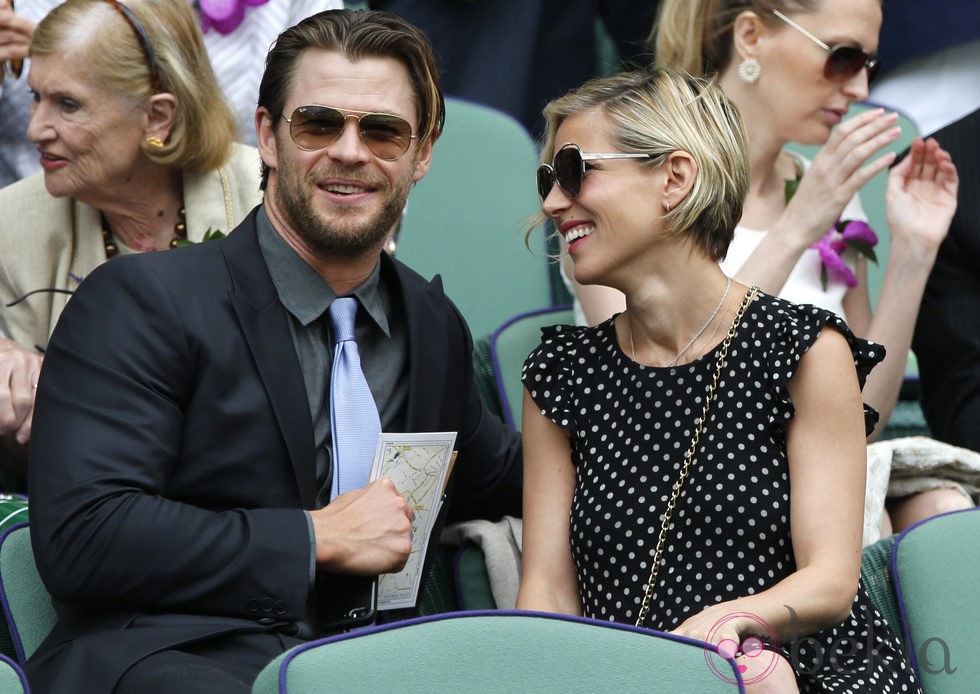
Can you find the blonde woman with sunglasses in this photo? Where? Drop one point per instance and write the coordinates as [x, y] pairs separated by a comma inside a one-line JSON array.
[[678, 472], [793, 68]]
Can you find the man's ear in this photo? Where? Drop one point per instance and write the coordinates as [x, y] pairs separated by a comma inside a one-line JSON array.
[[423, 160], [681, 172], [265, 133], [161, 112], [747, 33]]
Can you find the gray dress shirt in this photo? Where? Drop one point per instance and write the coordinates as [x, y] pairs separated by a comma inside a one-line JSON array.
[[379, 331], [382, 344]]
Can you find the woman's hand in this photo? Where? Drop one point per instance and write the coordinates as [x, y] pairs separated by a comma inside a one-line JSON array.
[[719, 624], [839, 171], [921, 199], [836, 174], [19, 369]]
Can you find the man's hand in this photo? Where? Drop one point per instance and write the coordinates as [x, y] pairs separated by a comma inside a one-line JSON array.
[[366, 531], [19, 369]]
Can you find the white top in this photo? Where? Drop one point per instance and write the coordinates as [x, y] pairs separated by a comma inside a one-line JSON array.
[[238, 58], [803, 285]]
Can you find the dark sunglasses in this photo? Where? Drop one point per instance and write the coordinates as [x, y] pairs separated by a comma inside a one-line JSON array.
[[314, 127], [567, 168], [144, 40], [844, 61]]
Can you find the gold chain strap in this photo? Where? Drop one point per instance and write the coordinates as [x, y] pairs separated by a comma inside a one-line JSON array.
[[688, 460]]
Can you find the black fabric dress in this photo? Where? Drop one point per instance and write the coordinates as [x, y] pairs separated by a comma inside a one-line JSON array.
[[630, 426]]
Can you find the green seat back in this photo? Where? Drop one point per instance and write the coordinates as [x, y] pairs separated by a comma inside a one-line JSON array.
[[509, 346], [876, 574], [27, 607], [13, 511], [500, 652], [873, 194], [936, 565], [485, 378], [464, 220], [12, 680], [472, 578]]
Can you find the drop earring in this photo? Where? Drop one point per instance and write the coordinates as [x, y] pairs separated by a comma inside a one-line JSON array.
[[749, 70]]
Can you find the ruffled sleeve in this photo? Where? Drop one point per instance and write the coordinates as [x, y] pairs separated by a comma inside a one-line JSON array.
[[796, 328], [548, 373]]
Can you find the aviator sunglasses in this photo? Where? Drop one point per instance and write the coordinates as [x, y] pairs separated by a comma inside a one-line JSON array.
[[567, 168], [385, 135], [844, 61]]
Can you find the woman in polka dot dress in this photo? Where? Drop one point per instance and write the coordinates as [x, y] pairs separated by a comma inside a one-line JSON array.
[[696, 463]]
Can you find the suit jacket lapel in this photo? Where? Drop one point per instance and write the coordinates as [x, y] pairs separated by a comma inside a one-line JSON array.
[[264, 325]]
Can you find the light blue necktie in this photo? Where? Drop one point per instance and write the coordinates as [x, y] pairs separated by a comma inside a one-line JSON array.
[[354, 417]]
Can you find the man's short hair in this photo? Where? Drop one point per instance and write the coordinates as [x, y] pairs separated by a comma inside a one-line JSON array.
[[357, 34]]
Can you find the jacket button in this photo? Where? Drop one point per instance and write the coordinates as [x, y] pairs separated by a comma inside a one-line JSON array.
[[280, 607], [266, 604], [252, 605]]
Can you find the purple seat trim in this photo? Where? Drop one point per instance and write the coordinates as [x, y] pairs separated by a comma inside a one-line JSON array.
[[495, 359]]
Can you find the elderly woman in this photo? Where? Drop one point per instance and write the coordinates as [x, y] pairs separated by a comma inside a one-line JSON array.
[[136, 145], [237, 35], [678, 469]]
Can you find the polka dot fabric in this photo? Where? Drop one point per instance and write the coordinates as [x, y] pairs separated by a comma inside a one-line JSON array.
[[630, 426]]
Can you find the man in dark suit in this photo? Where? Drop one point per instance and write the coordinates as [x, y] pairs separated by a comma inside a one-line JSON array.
[[947, 333], [182, 449]]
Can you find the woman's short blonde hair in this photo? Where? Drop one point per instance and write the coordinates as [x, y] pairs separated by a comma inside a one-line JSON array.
[[108, 50], [665, 110]]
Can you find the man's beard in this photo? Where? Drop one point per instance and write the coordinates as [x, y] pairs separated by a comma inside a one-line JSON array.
[[294, 199]]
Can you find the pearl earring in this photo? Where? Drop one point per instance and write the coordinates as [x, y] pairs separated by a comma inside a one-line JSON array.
[[749, 70]]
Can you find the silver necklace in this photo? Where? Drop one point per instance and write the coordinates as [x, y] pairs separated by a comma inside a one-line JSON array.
[[711, 318]]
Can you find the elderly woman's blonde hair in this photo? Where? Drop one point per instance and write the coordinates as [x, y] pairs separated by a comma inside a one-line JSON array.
[[108, 50], [666, 110]]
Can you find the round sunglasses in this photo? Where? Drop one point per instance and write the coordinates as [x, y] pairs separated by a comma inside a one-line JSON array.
[[314, 127], [844, 61], [567, 168]]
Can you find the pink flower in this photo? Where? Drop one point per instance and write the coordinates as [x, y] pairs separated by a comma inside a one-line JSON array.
[[858, 235], [830, 248], [224, 15], [845, 234]]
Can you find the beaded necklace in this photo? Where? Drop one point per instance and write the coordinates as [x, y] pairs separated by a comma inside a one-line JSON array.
[[180, 234]]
